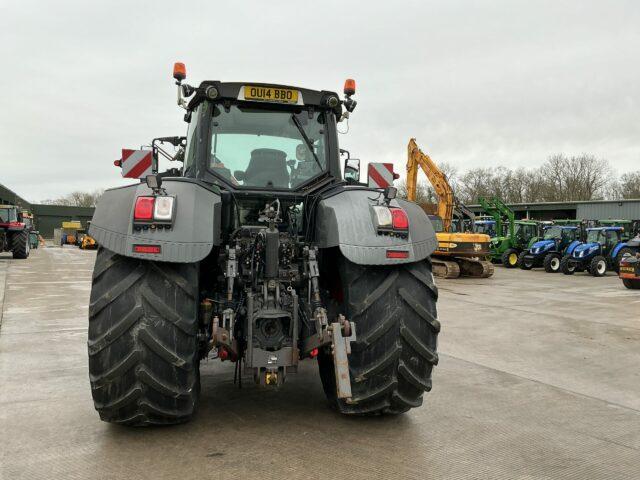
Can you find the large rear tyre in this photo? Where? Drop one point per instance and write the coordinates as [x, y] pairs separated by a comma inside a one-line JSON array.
[[552, 263], [524, 263], [631, 283], [566, 266], [143, 347], [394, 309], [20, 245], [598, 266], [510, 258]]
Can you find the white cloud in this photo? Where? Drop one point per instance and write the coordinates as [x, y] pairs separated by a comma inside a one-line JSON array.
[[478, 83]]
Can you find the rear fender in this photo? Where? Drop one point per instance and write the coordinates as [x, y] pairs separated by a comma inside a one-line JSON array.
[[195, 230], [617, 248], [344, 220]]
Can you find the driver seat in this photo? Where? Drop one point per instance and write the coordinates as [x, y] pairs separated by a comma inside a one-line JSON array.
[[267, 167]]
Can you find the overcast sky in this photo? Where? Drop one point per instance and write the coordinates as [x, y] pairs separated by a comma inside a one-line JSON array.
[[477, 83]]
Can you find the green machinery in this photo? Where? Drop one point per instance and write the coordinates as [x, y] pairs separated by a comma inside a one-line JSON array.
[[631, 227], [512, 236]]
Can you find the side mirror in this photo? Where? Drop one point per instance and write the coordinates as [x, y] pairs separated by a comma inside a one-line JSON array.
[[352, 170], [239, 175]]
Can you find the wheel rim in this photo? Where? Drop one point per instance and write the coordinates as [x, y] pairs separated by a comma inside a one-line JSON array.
[[513, 259], [555, 264], [602, 267]]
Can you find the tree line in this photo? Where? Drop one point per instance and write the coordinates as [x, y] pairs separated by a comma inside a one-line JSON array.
[[77, 199], [561, 178]]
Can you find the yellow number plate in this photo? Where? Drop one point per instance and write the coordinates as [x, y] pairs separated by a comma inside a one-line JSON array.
[[270, 94]]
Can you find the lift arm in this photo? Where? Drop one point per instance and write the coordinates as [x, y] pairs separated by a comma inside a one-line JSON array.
[[507, 212], [491, 209], [446, 201]]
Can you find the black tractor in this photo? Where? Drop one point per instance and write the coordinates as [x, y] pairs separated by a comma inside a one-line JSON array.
[[14, 233], [260, 252]]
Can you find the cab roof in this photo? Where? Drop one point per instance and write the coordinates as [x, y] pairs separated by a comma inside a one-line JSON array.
[[615, 229], [233, 91]]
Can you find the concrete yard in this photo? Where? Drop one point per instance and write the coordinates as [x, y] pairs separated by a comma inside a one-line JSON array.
[[539, 378]]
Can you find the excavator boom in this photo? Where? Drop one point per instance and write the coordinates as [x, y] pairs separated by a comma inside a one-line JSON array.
[[458, 253], [446, 200]]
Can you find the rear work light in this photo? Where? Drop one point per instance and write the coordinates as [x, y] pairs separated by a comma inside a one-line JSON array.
[[163, 209]]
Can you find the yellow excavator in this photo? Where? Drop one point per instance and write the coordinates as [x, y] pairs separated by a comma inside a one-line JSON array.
[[460, 250]]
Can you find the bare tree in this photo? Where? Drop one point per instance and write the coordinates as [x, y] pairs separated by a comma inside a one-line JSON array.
[[584, 177], [629, 185], [77, 199]]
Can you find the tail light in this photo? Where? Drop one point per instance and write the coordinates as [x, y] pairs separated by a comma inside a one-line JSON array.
[[391, 220], [158, 208], [400, 219], [144, 208]]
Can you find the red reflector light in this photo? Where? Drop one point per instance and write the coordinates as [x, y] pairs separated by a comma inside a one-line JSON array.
[[146, 249], [400, 219], [397, 254], [313, 353], [144, 208]]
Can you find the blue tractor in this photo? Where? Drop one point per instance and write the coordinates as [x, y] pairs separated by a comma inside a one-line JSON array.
[[557, 241], [486, 225], [602, 251]]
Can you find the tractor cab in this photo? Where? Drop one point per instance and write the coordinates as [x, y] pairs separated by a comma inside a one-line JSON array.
[[560, 233], [629, 227], [253, 137], [487, 227], [526, 232]]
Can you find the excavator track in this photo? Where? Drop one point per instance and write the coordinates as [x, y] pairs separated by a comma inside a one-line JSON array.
[[461, 267], [445, 268], [474, 267]]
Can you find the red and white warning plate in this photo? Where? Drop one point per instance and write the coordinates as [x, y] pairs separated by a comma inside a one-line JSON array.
[[136, 163], [380, 175]]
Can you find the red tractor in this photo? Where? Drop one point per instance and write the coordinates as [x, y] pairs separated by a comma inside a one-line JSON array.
[[14, 234]]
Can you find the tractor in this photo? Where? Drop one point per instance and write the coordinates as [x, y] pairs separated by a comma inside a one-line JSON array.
[[602, 250], [557, 241], [34, 235], [14, 233], [486, 224], [629, 227], [259, 252], [512, 237], [629, 267]]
